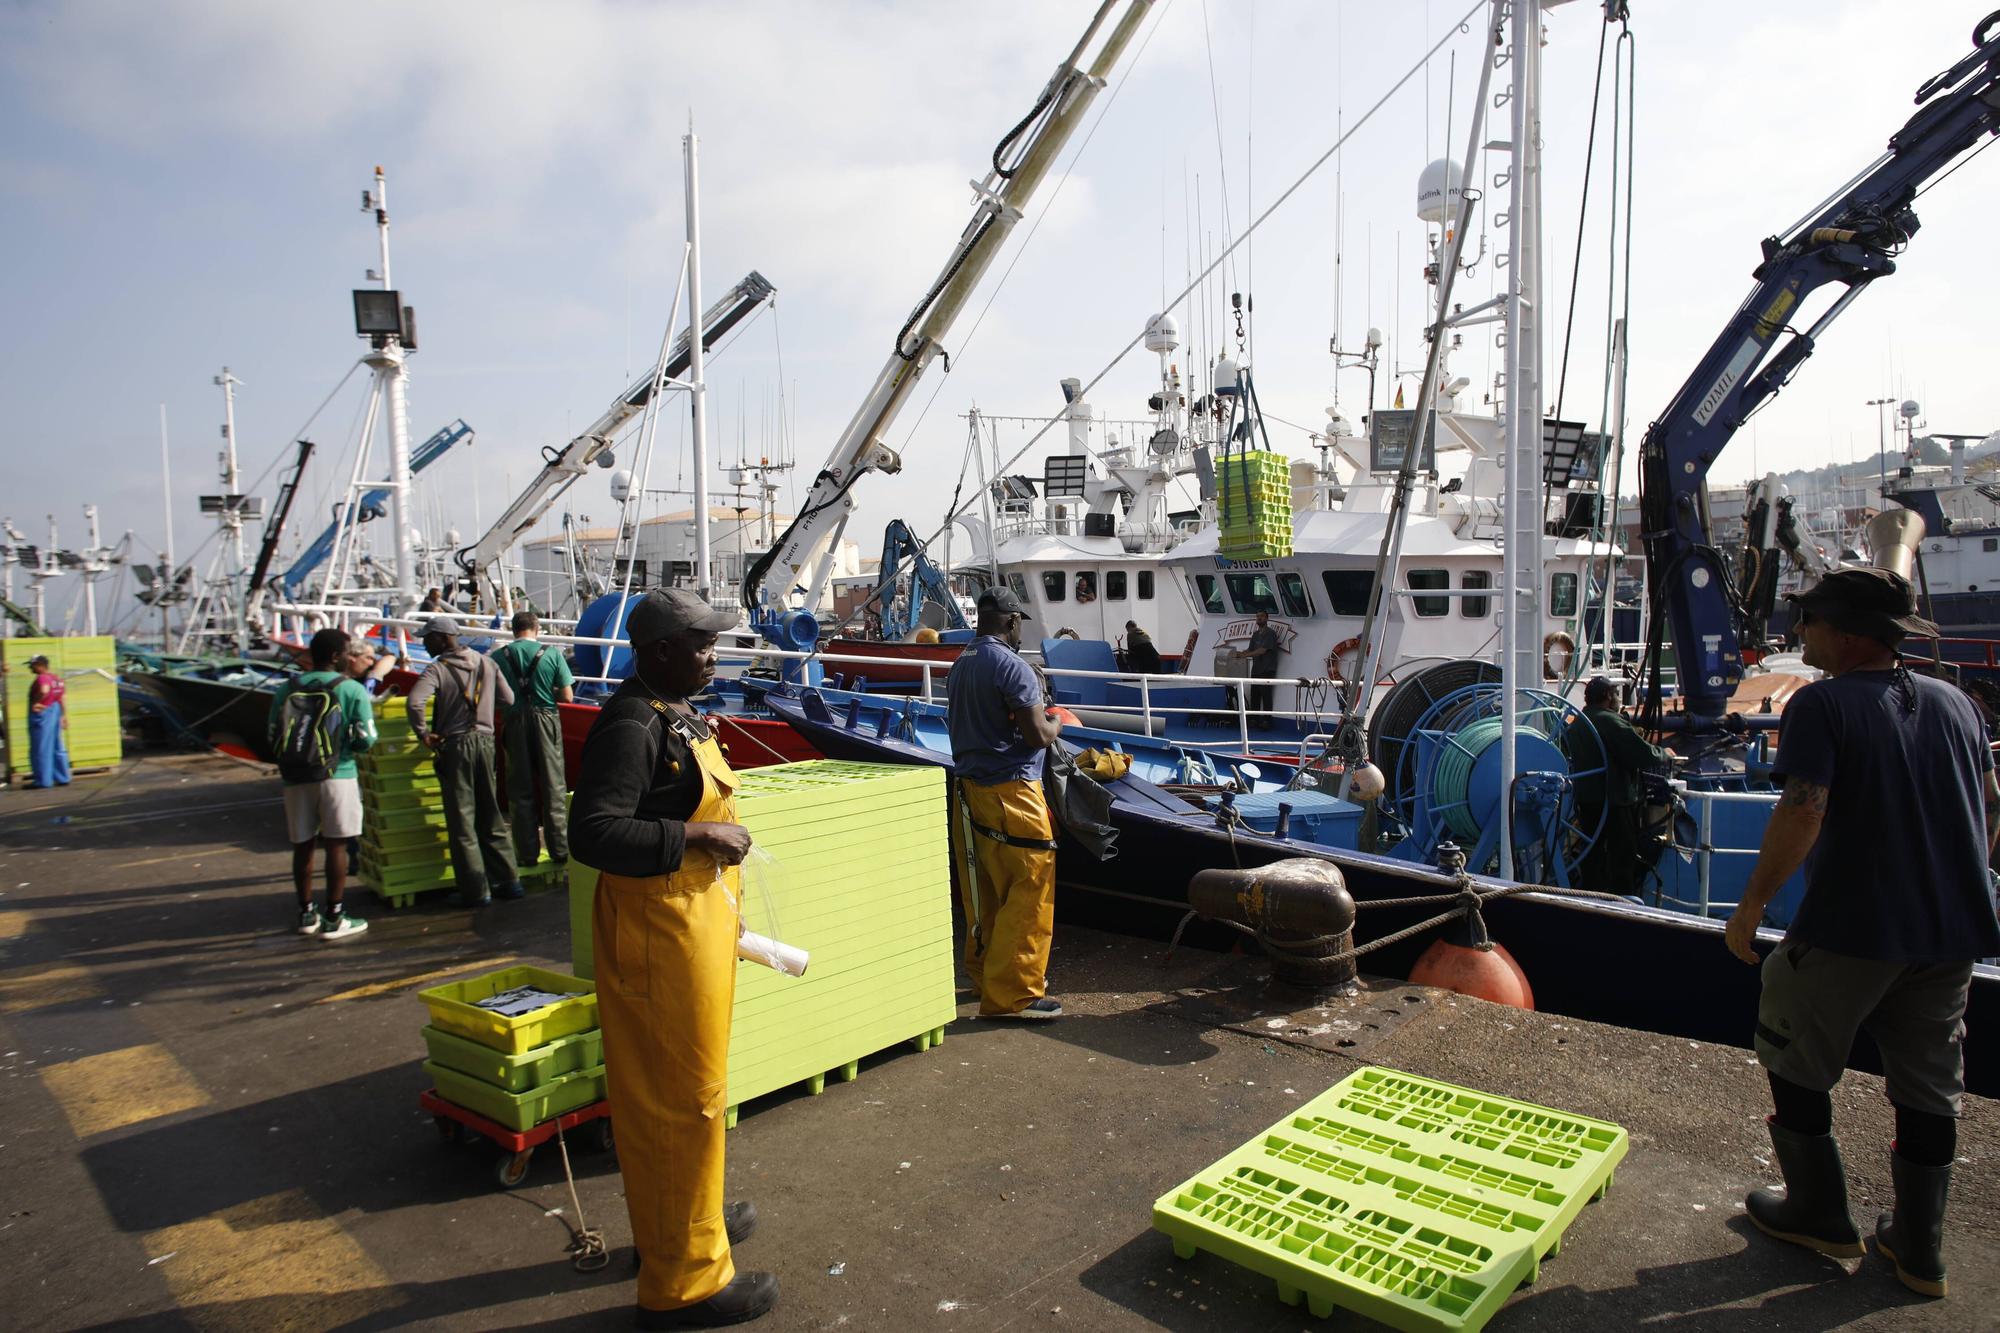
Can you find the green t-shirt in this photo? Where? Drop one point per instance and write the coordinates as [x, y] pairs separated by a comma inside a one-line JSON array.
[[355, 707], [535, 680]]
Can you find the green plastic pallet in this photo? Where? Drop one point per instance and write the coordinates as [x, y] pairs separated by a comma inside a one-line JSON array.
[[1413, 1202]]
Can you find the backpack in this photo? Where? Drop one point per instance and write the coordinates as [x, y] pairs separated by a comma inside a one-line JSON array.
[[308, 735]]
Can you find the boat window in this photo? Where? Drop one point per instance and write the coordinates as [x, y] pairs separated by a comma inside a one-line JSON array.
[[1145, 585], [1430, 578], [1292, 589], [1348, 590], [1475, 608], [1251, 593], [1019, 583], [1562, 595], [1086, 585], [1055, 586], [1209, 593], [1114, 585], [635, 568], [1989, 544]]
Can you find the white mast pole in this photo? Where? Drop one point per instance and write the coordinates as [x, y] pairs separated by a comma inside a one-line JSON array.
[[167, 504], [90, 574], [393, 375], [697, 386], [232, 514], [1522, 515]]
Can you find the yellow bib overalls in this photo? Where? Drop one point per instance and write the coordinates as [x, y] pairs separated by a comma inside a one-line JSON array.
[[666, 982]]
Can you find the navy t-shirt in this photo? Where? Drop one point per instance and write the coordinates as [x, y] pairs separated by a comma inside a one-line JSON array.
[[988, 683], [1899, 870]]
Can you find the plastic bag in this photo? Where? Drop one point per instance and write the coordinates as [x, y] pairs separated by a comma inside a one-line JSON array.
[[758, 934]]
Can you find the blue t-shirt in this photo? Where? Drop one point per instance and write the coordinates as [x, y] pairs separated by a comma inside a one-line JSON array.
[[1899, 870], [988, 683]]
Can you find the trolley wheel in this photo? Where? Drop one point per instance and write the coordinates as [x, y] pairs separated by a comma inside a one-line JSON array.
[[601, 1136], [512, 1169], [447, 1128]]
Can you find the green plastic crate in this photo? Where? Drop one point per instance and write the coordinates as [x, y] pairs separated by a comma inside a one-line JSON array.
[[519, 1110], [516, 1073], [1413, 1202], [452, 1010], [397, 821]]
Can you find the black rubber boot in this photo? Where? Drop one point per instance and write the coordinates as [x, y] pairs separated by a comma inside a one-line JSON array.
[[1812, 1211], [1912, 1236], [748, 1296]]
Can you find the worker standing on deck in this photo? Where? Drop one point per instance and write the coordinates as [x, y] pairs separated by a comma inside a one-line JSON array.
[[1000, 728], [466, 686], [321, 719], [1891, 804], [1614, 863], [48, 749], [1263, 651], [540, 679], [655, 813]]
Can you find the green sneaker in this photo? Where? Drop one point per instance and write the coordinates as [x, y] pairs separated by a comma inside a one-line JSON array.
[[343, 927], [309, 922]]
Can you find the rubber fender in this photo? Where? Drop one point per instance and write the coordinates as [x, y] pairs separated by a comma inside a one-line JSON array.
[[1486, 974]]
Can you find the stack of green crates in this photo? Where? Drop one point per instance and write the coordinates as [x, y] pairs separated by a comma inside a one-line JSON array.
[[404, 849], [88, 667], [1254, 506], [863, 883], [518, 1071]]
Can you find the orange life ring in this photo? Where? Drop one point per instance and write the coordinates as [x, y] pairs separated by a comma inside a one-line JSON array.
[[1334, 669], [1558, 639]]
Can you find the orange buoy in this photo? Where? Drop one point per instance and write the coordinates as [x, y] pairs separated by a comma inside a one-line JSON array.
[[1486, 974], [1064, 716]]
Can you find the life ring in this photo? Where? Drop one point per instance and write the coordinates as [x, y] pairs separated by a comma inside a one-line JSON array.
[[1552, 669], [1336, 667]]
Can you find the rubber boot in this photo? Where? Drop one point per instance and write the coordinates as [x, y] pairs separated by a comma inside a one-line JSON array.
[[1912, 1236], [1812, 1211], [748, 1296]]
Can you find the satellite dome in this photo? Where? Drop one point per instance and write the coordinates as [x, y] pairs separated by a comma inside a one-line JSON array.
[[1439, 192], [1163, 334]]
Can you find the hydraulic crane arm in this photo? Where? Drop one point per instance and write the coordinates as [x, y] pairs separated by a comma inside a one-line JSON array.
[[802, 558], [288, 490], [900, 618], [563, 466], [1851, 240]]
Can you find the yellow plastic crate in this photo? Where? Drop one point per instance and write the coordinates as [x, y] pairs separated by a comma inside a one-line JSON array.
[[452, 1009]]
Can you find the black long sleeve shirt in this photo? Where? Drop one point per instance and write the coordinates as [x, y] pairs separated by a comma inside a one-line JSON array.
[[638, 785]]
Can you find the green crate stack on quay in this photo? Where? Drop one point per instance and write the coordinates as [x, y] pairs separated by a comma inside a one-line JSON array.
[[1254, 506], [862, 882], [404, 849], [89, 671], [518, 1071], [1416, 1203]]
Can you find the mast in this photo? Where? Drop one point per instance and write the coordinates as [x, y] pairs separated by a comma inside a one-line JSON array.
[[1521, 570], [697, 385], [391, 381], [167, 503], [231, 513]]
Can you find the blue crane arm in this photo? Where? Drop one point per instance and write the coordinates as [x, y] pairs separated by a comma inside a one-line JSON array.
[[1852, 240], [901, 549], [372, 504]]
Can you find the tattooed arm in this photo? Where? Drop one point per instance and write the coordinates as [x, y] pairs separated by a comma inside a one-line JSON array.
[[1790, 835]]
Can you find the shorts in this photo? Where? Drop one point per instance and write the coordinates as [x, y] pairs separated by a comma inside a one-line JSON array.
[[1815, 1000], [330, 810]]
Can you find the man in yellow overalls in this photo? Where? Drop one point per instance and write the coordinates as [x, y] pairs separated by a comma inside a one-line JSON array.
[[1000, 729], [654, 811]]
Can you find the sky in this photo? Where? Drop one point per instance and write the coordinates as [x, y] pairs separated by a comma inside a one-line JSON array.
[[182, 183]]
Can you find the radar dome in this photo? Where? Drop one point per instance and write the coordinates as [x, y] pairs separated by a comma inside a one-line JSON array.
[[1163, 334], [621, 485], [1439, 192]]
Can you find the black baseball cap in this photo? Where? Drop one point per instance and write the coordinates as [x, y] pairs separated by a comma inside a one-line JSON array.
[[999, 601], [665, 611], [1879, 603]]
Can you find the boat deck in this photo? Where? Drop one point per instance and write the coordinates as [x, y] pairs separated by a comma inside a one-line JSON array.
[[211, 1123]]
